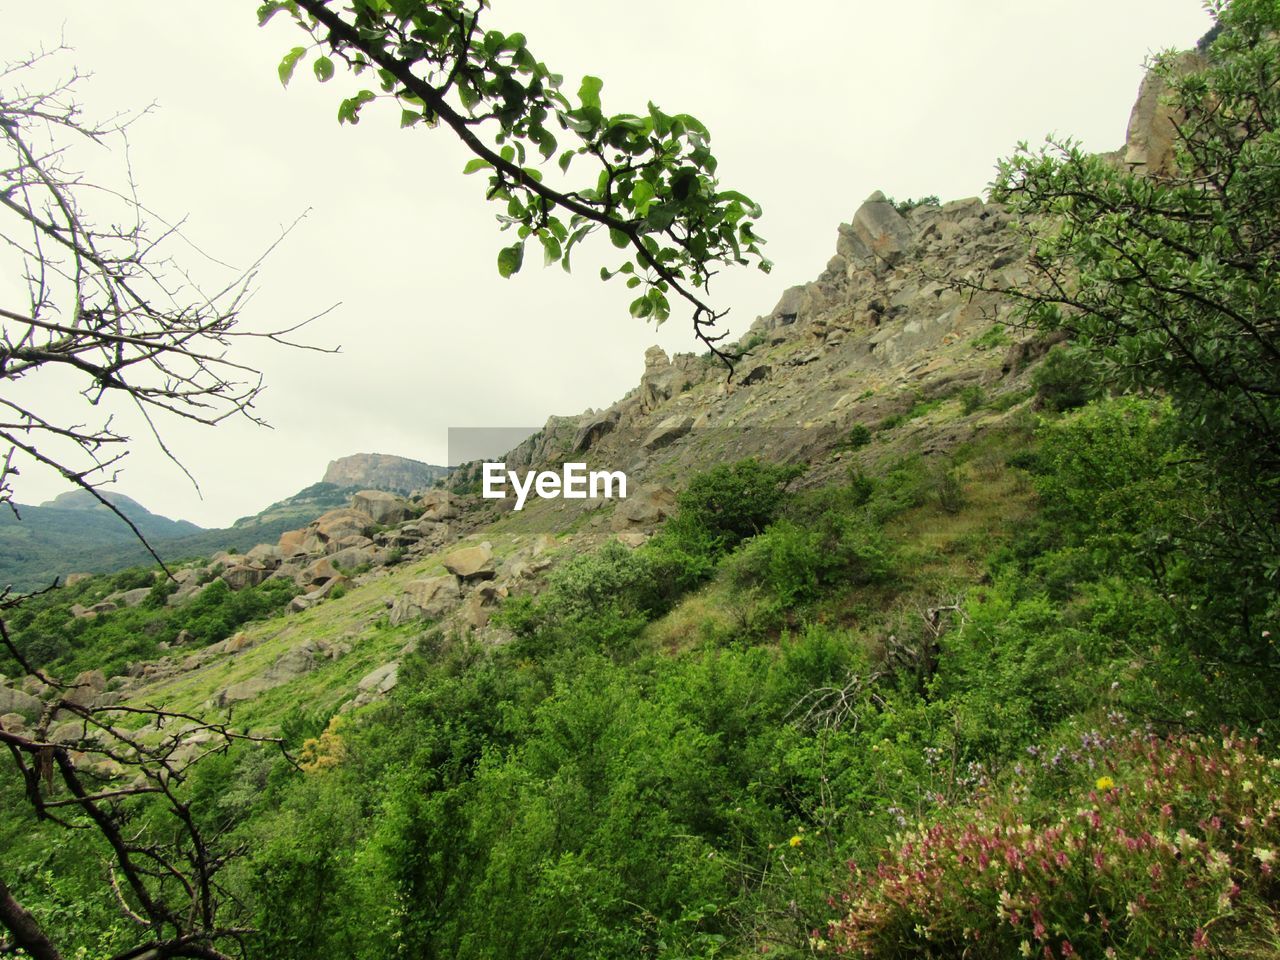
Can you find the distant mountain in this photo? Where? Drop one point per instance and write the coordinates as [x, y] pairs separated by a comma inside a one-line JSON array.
[[75, 533], [380, 471]]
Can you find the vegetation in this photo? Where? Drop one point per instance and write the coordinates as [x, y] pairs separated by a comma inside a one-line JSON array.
[[1014, 700]]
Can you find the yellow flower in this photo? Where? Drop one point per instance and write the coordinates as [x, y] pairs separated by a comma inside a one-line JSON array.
[[796, 840], [1105, 783]]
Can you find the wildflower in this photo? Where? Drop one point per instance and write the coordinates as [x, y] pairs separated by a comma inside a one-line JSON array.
[[1105, 783], [1024, 948], [1247, 786], [796, 840], [1264, 855]]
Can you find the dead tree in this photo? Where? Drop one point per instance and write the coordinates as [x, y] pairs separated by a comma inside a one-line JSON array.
[[109, 315]]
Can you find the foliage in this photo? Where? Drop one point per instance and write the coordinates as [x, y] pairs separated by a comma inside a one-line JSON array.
[[1064, 380], [1162, 847], [1166, 279], [729, 503], [652, 180]]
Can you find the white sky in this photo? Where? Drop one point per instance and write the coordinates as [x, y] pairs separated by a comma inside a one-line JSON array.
[[811, 108]]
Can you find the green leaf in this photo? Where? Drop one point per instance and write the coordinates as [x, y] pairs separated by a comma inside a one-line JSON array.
[[408, 118], [510, 259], [324, 69], [589, 92], [476, 164], [550, 250], [619, 239], [285, 70], [641, 307]]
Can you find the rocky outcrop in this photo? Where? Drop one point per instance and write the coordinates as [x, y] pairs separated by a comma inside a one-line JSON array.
[[381, 507], [471, 563], [427, 599], [1149, 142], [380, 471]]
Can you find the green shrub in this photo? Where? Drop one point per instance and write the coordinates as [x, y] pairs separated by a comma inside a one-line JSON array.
[[729, 503], [859, 436], [1065, 379], [971, 398]]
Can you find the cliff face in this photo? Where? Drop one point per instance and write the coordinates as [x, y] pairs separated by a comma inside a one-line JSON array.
[[380, 471]]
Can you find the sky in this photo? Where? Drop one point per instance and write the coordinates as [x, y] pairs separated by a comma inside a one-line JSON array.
[[811, 109]]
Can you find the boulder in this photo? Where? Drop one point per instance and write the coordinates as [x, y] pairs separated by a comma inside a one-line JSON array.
[[343, 522], [661, 380], [13, 722], [668, 431], [878, 230], [291, 543], [244, 690], [646, 508], [426, 599], [242, 576], [438, 505], [294, 663], [468, 563], [317, 573], [381, 507], [130, 598], [479, 605], [265, 555], [596, 427], [352, 558], [71, 579], [86, 688], [381, 680], [15, 701]]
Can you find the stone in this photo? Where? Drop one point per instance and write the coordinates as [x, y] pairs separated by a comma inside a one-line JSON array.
[[757, 374], [668, 431], [243, 690], [86, 688], [291, 543], [438, 505], [15, 701], [71, 579], [879, 230], [265, 555], [317, 573], [381, 507], [293, 663], [471, 562], [596, 427], [343, 522], [130, 598], [35, 686], [646, 508], [633, 539], [352, 558], [427, 599], [13, 722], [381, 680], [242, 576], [661, 380]]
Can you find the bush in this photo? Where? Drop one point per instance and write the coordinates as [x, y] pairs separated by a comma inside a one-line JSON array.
[[1064, 380], [859, 436], [729, 503], [1168, 848], [971, 398]]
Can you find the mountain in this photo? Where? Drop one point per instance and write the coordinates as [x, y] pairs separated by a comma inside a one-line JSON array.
[[75, 533], [381, 471]]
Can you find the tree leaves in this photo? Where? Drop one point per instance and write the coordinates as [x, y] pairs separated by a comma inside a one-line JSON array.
[[510, 259]]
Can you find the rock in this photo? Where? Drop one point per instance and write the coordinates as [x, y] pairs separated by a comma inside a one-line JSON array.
[[471, 562], [383, 508], [668, 431], [343, 522], [877, 230], [244, 690], [15, 701], [129, 598], [265, 555], [662, 380], [291, 543], [646, 508], [380, 471], [426, 599], [381, 680], [242, 576], [353, 558], [71, 579], [595, 428], [318, 573], [35, 686], [1149, 141], [633, 539], [757, 374], [82, 612], [86, 688], [438, 505], [183, 638], [13, 722], [293, 663], [479, 605]]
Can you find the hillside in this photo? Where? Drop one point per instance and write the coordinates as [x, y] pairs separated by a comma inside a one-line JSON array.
[[897, 646]]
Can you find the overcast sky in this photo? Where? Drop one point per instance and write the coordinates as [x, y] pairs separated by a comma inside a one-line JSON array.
[[811, 108]]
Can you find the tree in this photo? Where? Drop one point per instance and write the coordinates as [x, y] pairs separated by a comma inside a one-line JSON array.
[[109, 315], [652, 180], [1168, 279]]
